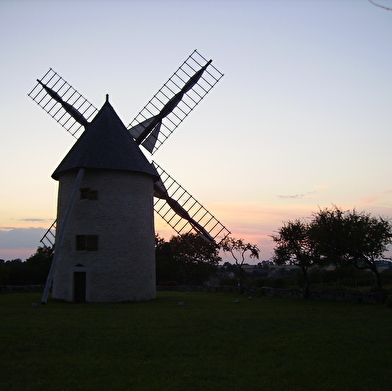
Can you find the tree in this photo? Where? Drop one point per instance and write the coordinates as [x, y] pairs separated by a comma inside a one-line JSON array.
[[352, 238], [199, 258], [238, 248], [38, 265], [328, 232], [187, 259], [294, 247], [33, 271], [167, 267]]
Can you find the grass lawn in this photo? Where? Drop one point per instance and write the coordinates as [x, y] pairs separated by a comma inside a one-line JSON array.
[[212, 343]]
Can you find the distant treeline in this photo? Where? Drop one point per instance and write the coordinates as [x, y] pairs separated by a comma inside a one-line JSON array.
[[33, 271]]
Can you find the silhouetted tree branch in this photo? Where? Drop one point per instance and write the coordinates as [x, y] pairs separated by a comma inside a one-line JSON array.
[[237, 248]]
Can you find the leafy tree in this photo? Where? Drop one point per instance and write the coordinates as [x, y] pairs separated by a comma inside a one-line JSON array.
[[188, 259], [33, 271], [350, 238], [167, 267], [369, 239], [238, 249], [294, 247], [38, 265], [4, 272], [329, 233], [15, 271], [199, 259]]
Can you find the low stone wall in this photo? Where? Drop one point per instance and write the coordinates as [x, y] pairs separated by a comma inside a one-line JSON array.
[[350, 296], [192, 288]]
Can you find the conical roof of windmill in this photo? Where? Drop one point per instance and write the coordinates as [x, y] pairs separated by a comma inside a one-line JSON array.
[[106, 144]]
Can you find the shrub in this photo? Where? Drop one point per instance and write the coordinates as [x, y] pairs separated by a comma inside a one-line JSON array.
[[279, 283], [260, 282], [227, 281]]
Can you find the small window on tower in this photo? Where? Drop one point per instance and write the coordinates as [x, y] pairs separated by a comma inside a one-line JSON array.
[[86, 242], [88, 194]]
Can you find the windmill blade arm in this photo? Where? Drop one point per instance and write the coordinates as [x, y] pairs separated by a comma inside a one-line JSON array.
[[173, 102], [180, 211], [148, 125], [63, 103], [150, 142], [170, 106], [178, 97], [183, 212], [49, 237], [195, 78], [67, 107]]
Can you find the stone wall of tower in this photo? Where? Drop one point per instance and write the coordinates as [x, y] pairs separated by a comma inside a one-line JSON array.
[[122, 268]]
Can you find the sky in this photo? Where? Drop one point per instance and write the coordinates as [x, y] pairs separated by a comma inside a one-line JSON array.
[[301, 120]]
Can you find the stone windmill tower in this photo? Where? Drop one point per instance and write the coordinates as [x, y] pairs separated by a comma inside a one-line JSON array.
[[108, 247], [104, 238]]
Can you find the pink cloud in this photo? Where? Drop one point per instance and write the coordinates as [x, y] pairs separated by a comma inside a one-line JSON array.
[[321, 186], [376, 197]]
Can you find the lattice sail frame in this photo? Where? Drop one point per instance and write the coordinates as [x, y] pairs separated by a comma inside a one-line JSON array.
[[194, 62], [49, 237], [60, 86], [196, 210]]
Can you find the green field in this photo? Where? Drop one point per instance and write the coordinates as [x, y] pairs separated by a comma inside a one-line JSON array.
[[212, 343]]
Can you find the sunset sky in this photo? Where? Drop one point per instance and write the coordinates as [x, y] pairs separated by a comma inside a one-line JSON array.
[[301, 120]]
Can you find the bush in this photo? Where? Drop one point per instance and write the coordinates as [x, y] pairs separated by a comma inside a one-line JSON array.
[[388, 302], [260, 282], [279, 283], [226, 281]]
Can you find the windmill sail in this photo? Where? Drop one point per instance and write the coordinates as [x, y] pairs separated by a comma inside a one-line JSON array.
[[66, 106], [62, 102], [161, 192], [155, 127], [183, 212], [169, 106], [174, 101], [49, 237]]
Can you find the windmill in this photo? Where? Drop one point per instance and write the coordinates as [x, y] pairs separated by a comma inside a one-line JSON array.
[[106, 164]]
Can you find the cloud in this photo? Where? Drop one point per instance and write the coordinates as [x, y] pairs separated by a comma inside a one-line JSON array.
[[35, 220], [321, 187], [291, 196], [305, 195], [18, 238], [19, 242], [371, 199]]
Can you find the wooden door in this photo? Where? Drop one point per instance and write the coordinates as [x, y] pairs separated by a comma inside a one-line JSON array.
[[79, 287]]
